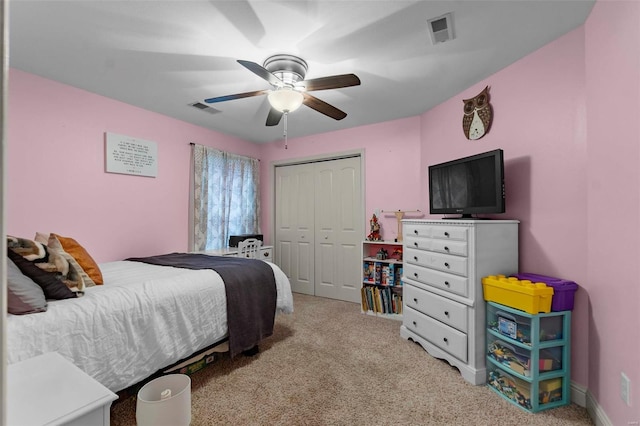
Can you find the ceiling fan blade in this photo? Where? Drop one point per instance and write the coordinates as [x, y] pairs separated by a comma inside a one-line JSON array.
[[332, 82], [261, 71], [236, 96], [274, 117], [242, 15], [323, 107]]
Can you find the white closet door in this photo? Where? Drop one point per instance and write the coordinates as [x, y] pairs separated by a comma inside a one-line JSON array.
[[295, 215], [338, 229], [319, 227]]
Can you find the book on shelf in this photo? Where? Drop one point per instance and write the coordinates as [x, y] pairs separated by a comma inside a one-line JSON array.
[[363, 297], [368, 274], [383, 300], [387, 276]]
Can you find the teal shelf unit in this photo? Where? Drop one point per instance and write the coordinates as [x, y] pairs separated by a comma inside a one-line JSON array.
[[529, 357]]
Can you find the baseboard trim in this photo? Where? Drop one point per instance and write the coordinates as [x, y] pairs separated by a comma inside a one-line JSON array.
[[578, 394], [596, 412], [582, 397]]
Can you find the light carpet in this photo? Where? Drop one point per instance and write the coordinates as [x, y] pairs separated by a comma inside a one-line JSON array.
[[329, 364]]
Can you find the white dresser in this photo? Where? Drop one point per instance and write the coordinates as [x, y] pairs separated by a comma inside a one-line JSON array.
[[49, 390], [444, 263]]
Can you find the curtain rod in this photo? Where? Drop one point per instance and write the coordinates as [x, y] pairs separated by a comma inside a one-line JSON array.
[[193, 143]]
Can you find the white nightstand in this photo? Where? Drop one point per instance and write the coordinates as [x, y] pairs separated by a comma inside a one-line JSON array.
[[49, 390], [266, 252]]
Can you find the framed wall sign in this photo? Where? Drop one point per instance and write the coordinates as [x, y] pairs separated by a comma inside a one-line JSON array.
[[130, 156]]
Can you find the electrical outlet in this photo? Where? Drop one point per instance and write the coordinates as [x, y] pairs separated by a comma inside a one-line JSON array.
[[625, 389]]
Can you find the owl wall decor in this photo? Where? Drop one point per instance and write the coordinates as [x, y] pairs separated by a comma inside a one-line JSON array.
[[477, 115]]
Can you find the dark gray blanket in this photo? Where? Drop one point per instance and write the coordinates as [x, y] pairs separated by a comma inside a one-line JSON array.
[[251, 293]]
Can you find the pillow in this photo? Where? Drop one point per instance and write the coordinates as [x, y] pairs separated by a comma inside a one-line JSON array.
[[41, 237], [76, 272], [50, 283], [54, 261], [24, 295], [31, 250], [81, 255]]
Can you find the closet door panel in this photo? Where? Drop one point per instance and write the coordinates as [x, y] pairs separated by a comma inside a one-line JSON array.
[[295, 226], [319, 227], [338, 230]]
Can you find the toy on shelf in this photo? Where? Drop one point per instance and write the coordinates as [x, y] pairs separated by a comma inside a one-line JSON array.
[[382, 254], [374, 235], [397, 253]]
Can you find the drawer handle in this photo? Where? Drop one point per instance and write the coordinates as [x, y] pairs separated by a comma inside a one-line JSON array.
[[415, 244], [446, 248], [445, 340], [446, 234], [415, 231], [446, 264], [415, 258], [415, 274], [415, 299], [446, 313], [265, 254], [414, 323], [447, 283]]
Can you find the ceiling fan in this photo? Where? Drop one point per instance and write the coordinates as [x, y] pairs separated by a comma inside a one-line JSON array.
[[286, 74]]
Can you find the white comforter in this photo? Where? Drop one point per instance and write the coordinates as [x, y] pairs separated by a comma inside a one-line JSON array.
[[144, 318]]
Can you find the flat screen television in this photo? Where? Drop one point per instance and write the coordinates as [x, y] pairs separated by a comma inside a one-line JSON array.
[[468, 186]]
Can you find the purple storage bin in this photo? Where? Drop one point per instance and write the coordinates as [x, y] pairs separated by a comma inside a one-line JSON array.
[[563, 290]]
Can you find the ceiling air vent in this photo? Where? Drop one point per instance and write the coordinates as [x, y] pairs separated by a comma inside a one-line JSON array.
[[441, 28], [205, 108]]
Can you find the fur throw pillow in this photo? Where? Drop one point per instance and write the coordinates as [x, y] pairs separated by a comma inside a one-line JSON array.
[[51, 261]]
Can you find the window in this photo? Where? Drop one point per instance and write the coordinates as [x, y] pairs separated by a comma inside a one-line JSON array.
[[226, 197]]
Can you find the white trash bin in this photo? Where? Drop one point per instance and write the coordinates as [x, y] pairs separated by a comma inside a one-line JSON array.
[[165, 401]]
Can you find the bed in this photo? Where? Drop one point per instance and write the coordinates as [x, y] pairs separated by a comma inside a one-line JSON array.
[[144, 318]]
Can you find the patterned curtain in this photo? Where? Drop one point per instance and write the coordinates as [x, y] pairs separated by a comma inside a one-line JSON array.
[[226, 197]]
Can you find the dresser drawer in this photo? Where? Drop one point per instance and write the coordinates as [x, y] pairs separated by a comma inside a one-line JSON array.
[[458, 248], [441, 335], [441, 280], [418, 243], [450, 232], [444, 310], [444, 232], [416, 230], [443, 262]]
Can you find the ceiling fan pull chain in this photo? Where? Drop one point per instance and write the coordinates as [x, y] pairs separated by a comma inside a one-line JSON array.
[[286, 113]]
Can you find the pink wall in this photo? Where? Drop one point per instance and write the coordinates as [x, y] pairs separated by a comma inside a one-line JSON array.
[[56, 178], [392, 167], [613, 189], [539, 122], [566, 117]]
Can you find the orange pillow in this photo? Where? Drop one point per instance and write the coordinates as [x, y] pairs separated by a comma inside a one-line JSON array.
[[81, 255]]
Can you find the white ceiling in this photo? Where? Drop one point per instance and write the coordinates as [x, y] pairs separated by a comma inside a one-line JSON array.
[[165, 55]]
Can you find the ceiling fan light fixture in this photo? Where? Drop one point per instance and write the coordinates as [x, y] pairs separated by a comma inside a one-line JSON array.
[[285, 99]]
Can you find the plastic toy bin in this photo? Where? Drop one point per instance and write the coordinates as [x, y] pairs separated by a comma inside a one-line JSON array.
[[518, 359], [520, 391], [563, 290], [519, 294], [518, 327]]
